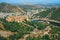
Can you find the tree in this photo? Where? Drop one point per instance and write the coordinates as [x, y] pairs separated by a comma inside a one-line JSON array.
[[46, 37], [12, 26], [2, 38]]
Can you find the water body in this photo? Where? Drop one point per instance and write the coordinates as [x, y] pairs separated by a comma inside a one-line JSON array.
[[36, 20], [53, 23]]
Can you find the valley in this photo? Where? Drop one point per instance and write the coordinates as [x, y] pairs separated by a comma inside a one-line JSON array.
[[29, 22]]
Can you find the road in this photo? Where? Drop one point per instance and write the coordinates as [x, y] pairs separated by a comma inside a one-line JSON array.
[[45, 19]]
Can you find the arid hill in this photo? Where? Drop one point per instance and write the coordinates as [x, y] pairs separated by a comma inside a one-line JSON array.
[[7, 8]]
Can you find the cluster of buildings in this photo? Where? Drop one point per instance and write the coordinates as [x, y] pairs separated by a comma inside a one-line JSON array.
[[19, 17]]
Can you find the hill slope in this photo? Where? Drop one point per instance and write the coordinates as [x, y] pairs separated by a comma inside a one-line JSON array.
[[28, 31], [6, 8], [52, 13]]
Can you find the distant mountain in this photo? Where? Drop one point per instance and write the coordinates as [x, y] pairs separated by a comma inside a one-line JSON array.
[[31, 7], [48, 4], [7, 8], [39, 5]]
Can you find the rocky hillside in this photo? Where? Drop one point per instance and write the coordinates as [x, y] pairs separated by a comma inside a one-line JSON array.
[[7, 8]]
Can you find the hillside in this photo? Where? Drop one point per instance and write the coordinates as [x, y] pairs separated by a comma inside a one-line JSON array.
[[9, 8], [53, 13], [28, 30]]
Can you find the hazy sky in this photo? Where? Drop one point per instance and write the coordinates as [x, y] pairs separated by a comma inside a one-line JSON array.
[[31, 1]]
